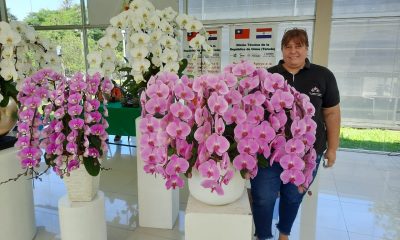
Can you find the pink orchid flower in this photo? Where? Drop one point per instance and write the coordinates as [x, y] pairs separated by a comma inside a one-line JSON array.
[[281, 100], [174, 181], [228, 176], [156, 105], [149, 124], [76, 123], [242, 131], [32, 102], [183, 92], [26, 115], [184, 149], [224, 164], [97, 129], [249, 83], [294, 146], [178, 129], [209, 169], [181, 111], [254, 99], [264, 133], [243, 69], [244, 161], [214, 185], [203, 132], [235, 115], [148, 140], [217, 104], [273, 82], [160, 90], [74, 110], [200, 84], [298, 127], [248, 145], [74, 98], [293, 176], [256, 115], [308, 139], [311, 126], [218, 144], [233, 97], [176, 165], [219, 125], [292, 161], [217, 84]]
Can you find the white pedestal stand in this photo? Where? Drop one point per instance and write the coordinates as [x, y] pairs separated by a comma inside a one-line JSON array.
[[227, 222], [158, 207], [82, 220], [17, 218]]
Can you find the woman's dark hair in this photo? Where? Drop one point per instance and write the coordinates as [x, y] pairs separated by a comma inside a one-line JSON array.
[[295, 34]]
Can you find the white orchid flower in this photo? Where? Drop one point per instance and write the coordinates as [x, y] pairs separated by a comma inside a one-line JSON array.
[[168, 42], [94, 59], [30, 34], [51, 58], [154, 22], [140, 39], [182, 20], [1, 97], [143, 13], [156, 36], [141, 65], [7, 52], [169, 56], [157, 51], [197, 42], [10, 38], [108, 55], [4, 26], [18, 26], [109, 67], [169, 14], [7, 63], [156, 61], [9, 74], [139, 53], [166, 27], [118, 21], [208, 49], [193, 26], [171, 67], [114, 33], [108, 42]]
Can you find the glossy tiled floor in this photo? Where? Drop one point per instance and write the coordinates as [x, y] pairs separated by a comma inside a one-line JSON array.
[[358, 199]]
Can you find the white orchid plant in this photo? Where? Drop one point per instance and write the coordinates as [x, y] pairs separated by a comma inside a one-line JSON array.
[[22, 52], [152, 44]]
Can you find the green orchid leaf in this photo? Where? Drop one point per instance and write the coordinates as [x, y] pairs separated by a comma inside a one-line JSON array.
[[92, 165]]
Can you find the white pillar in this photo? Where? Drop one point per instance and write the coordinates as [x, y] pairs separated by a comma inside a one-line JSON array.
[[82, 220], [158, 207], [17, 219], [226, 222], [309, 207]]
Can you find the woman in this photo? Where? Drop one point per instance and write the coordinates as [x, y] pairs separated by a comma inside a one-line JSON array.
[[320, 85]]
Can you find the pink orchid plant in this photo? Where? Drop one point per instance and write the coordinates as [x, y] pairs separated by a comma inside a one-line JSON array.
[[61, 117], [244, 117]]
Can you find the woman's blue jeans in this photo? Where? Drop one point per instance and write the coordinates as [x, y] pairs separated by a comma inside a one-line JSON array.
[[264, 190]]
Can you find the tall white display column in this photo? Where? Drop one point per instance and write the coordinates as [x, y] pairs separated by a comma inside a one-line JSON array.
[[82, 220], [17, 219], [158, 207]]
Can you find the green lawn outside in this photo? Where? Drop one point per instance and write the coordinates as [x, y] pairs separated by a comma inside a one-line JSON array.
[[370, 139]]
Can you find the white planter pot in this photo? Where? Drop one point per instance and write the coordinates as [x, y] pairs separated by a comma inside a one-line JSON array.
[[232, 192], [81, 186]]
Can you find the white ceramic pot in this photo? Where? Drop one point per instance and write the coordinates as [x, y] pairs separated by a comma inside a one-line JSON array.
[[232, 192], [81, 186]]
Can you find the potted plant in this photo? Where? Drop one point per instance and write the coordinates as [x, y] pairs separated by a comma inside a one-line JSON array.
[[152, 44], [22, 51], [216, 126], [62, 117]]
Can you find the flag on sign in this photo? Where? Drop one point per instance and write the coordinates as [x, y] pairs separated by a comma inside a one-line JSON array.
[[242, 33], [212, 35], [191, 35], [263, 33]]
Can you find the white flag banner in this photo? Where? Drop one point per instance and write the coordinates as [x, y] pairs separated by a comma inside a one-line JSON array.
[[255, 43], [214, 40]]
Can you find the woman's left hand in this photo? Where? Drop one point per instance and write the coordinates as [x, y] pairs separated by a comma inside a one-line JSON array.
[[330, 157]]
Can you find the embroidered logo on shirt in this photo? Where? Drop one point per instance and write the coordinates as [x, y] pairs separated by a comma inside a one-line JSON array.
[[315, 92]]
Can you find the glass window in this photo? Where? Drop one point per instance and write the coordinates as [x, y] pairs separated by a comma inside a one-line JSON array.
[[365, 58], [365, 8], [234, 9], [70, 47], [45, 12]]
